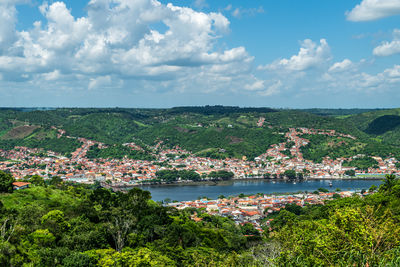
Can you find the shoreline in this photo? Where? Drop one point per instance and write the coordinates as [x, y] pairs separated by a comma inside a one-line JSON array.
[[229, 182]]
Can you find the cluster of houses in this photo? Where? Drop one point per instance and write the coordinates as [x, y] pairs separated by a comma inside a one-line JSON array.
[[277, 161], [23, 161], [253, 209]]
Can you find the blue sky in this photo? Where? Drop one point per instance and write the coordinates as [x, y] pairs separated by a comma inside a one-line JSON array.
[[148, 53]]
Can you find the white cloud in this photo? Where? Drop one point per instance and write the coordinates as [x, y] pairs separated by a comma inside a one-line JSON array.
[[228, 7], [264, 87], [7, 24], [99, 82], [341, 66], [310, 72], [273, 89], [52, 76], [374, 9], [310, 55], [119, 40], [239, 11], [200, 4], [257, 85], [393, 73], [389, 48], [362, 81]]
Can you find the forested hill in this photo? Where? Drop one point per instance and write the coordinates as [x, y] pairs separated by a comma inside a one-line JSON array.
[[204, 130], [381, 124], [54, 223]]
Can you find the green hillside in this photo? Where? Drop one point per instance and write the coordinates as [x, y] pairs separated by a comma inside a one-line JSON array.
[[212, 131], [383, 125]]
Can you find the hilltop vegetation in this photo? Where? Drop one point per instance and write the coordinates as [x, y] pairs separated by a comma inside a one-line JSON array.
[[210, 131], [39, 137], [384, 125], [337, 112], [236, 141], [58, 224], [321, 146]]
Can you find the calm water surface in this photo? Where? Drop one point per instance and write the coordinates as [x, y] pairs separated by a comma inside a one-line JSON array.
[[192, 192]]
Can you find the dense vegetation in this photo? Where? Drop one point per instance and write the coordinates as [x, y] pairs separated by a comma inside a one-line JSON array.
[[63, 225], [6, 182], [190, 175], [337, 112], [321, 146], [381, 124], [211, 131], [217, 141], [43, 138], [345, 232], [174, 175], [218, 110], [362, 163], [117, 152], [57, 224]]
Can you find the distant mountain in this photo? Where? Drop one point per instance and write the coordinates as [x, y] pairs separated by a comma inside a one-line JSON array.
[[337, 112]]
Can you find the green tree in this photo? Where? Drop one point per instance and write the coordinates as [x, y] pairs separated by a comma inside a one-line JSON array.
[[248, 229], [350, 173], [388, 183], [6, 182], [78, 260], [323, 190], [55, 221], [56, 181], [290, 174], [37, 180], [42, 238], [372, 188]]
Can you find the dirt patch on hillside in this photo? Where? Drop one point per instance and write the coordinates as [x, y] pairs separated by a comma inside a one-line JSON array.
[[184, 130], [19, 132], [234, 139]]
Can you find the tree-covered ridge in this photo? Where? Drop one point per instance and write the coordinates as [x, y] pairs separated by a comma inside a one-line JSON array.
[[381, 124], [218, 110], [321, 146], [337, 112], [43, 137], [210, 131], [232, 141]]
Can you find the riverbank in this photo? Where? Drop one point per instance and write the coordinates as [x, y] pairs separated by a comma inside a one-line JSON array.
[[182, 192], [227, 182]]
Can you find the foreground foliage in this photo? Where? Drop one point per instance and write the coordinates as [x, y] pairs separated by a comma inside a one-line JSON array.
[[65, 225], [346, 232], [72, 225]]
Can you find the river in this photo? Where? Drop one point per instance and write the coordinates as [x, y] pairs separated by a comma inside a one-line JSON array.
[[232, 188]]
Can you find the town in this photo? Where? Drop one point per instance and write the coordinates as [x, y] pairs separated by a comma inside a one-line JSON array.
[[274, 163], [254, 209]]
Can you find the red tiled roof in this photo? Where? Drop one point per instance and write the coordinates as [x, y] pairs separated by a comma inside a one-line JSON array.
[[19, 184]]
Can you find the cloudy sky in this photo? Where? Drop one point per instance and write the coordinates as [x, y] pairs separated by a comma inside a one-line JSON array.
[[149, 53]]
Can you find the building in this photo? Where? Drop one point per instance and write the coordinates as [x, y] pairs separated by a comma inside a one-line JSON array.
[[20, 185]]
